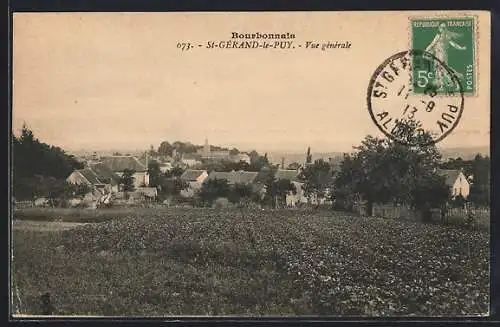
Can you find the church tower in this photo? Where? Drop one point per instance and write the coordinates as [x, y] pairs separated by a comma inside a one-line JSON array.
[[206, 149]]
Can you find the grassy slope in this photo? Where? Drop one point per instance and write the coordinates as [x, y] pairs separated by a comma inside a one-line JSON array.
[[197, 262]]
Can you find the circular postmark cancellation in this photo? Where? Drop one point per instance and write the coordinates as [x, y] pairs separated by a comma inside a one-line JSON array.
[[394, 106]]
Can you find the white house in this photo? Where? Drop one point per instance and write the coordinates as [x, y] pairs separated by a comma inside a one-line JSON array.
[[119, 164], [456, 180], [194, 178], [240, 157], [293, 176], [165, 166], [190, 160]]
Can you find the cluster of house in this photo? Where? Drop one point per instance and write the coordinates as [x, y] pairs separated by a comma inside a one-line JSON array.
[[191, 160], [195, 179], [104, 175]]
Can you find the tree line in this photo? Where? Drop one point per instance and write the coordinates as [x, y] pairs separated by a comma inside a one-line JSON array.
[[379, 170], [40, 169]]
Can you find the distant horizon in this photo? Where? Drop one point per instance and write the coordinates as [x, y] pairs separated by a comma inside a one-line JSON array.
[[261, 149], [101, 81]]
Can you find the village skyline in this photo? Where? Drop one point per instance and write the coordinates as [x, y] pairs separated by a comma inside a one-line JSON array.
[[275, 154]]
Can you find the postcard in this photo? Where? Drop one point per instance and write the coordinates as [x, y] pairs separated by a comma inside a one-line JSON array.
[[251, 164]]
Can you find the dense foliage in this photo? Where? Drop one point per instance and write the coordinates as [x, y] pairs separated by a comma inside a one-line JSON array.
[[239, 262], [38, 169], [386, 171], [213, 189], [317, 178]]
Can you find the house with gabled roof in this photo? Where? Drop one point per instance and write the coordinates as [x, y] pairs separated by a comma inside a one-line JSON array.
[[234, 177], [118, 164], [456, 181], [194, 178], [293, 176], [190, 159], [96, 176]]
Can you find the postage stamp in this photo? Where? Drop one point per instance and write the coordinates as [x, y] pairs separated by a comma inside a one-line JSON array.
[[453, 42], [391, 101]]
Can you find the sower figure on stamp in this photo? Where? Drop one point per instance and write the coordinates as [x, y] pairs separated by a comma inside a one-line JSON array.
[[439, 48]]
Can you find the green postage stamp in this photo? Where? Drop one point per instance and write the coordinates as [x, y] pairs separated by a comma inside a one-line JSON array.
[[452, 41]]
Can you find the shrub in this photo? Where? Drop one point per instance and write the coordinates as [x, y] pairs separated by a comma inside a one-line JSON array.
[[220, 203]]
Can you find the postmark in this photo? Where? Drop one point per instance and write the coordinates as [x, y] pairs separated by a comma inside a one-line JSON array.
[[452, 40], [392, 101]]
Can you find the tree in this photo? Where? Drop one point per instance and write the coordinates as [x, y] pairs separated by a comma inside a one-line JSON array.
[[165, 149], [127, 181], [254, 155], [429, 192], [174, 172], [154, 173], [258, 163], [152, 152], [239, 191], [234, 151], [236, 166], [32, 158], [213, 189], [387, 171], [317, 179], [308, 156], [277, 189], [171, 186], [186, 147], [271, 187], [480, 188]]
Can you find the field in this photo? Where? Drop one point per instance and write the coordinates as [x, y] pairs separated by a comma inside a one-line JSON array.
[[239, 262]]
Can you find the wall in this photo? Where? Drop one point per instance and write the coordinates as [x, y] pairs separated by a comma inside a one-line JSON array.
[[395, 212]]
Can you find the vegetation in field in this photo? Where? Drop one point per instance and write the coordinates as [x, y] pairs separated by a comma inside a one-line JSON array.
[[242, 262]]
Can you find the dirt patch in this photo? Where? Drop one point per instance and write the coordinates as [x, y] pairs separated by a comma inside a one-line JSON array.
[[44, 226]]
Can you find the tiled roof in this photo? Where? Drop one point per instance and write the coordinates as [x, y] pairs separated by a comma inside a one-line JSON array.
[[120, 163], [89, 175], [104, 173], [450, 175], [191, 174], [234, 177], [291, 175]]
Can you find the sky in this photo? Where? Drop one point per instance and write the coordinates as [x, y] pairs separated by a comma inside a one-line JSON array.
[[98, 81]]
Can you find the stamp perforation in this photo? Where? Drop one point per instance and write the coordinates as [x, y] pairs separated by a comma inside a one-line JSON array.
[[476, 36]]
